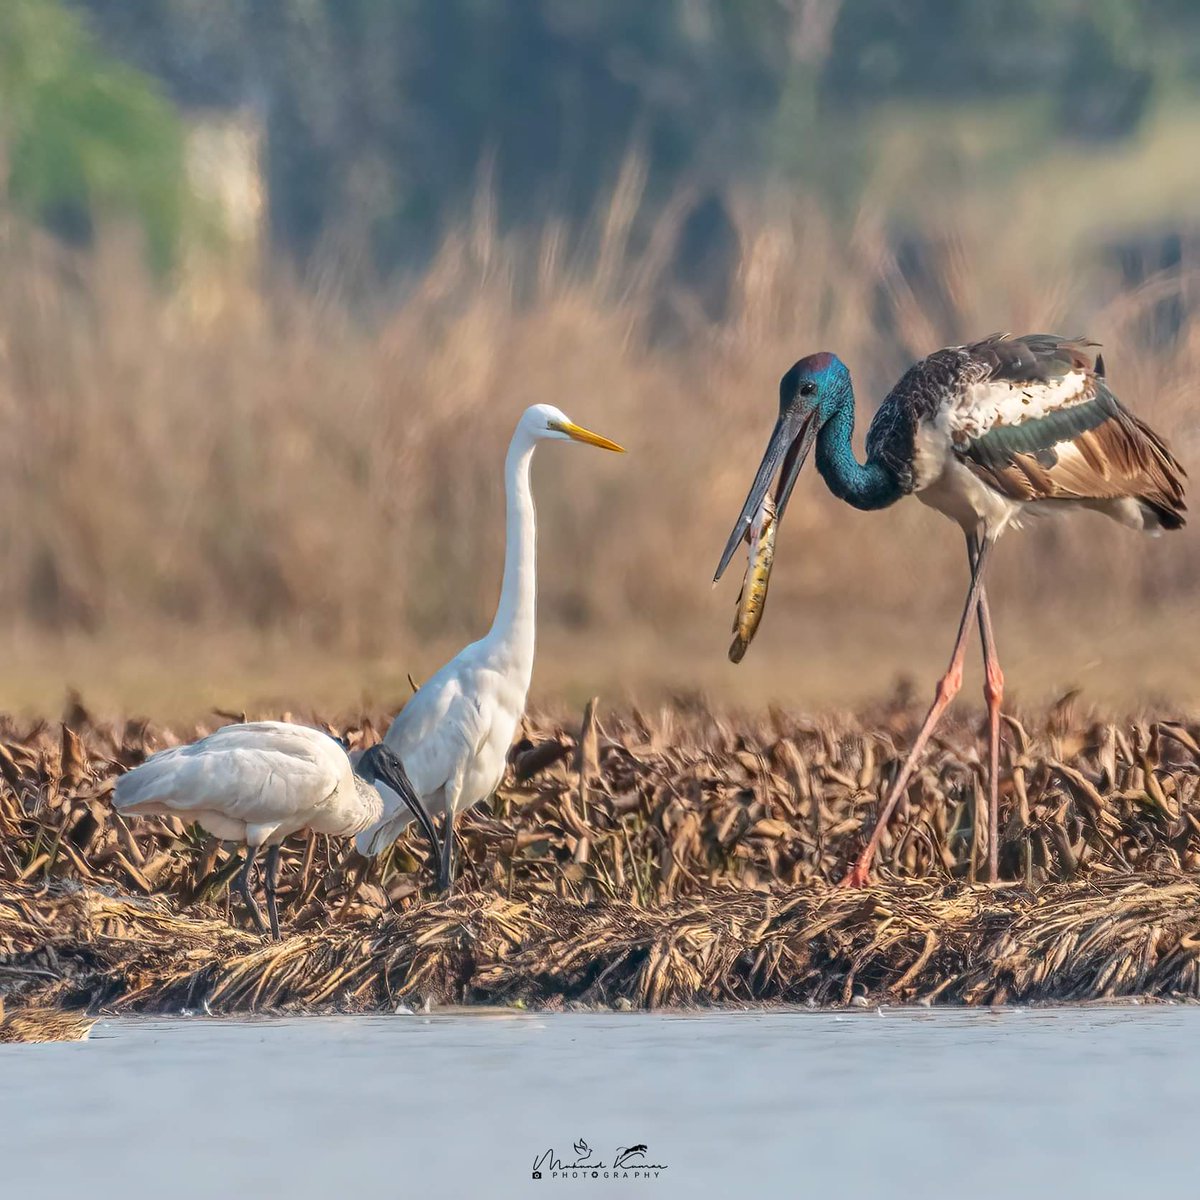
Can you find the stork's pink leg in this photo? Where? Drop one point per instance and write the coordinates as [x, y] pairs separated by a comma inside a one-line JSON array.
[[993, 691], [947, 689]]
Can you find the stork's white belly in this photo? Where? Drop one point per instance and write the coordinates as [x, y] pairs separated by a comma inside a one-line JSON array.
[[944, 483]]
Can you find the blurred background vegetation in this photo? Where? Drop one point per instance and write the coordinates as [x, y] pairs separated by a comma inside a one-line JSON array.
[[277, 276]]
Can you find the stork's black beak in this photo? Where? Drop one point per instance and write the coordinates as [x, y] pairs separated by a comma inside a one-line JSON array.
[[791, 441]]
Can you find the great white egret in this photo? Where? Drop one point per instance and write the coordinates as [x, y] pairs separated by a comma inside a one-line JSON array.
[[453, 735], [259, 783]]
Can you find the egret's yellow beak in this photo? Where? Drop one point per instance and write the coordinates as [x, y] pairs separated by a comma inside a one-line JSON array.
[[579, 434]]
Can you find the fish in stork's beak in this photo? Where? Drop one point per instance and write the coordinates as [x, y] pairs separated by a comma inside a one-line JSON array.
[[753, 597], [791, 441]]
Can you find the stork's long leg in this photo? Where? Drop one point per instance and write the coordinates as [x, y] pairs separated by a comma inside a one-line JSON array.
[[244, 886], [993, 691], [947, 689], [269, 880]]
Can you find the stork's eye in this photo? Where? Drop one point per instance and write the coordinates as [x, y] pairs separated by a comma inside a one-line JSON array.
[[808, 389]]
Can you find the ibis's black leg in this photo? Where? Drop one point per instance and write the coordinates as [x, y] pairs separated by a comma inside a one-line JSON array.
[[993, 691], [446, 874], [947, 689], [245, 886], [269, 881]]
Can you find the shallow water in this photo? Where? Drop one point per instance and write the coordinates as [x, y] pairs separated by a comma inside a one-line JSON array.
[[1093, 1102]]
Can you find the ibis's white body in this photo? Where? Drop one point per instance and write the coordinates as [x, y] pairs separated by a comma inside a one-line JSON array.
[[453, 736], [256, 783]]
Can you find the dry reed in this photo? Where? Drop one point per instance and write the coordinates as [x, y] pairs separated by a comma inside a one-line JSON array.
[[277, 462], [679, 857]]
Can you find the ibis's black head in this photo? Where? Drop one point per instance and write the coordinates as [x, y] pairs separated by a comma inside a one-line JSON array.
[[810, 392]]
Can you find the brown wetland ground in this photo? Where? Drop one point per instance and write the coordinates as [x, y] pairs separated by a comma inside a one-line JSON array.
[[673, 857], [232, 489]]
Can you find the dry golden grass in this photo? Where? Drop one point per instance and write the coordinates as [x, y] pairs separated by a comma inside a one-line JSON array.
[[275, 467], [676, 857]]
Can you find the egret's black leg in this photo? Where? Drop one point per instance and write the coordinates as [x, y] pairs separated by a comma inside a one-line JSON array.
[[246, 888], [993, 691], [446, 875], [269, 880], [947, 689]]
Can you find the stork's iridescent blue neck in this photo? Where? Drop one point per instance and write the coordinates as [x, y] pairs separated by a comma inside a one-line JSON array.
[[816, 406], [866, 485]]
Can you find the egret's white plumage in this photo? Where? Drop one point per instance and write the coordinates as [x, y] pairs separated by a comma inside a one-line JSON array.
[[257, 783], [453, 735]]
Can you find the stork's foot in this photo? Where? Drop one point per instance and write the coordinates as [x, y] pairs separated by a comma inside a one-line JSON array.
[[858, 877]]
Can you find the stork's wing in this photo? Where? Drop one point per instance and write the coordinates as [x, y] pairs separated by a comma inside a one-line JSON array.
[[1035, 419], [263, 773]]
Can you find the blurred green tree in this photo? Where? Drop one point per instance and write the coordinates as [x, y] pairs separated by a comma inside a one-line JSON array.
[[82, 134], [380, 112], [1091, 58]]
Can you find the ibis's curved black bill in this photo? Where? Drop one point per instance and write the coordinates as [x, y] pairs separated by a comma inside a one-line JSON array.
[[791, 441], [380, 763]]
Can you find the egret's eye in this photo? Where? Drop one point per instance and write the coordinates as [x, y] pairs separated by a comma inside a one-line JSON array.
[[808, 389]]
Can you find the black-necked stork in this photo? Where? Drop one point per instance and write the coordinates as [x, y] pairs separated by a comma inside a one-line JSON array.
[[983, 433]]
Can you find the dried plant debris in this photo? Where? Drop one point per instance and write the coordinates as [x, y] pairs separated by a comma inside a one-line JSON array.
[[903, 942], [684, 857], [36, 1024]]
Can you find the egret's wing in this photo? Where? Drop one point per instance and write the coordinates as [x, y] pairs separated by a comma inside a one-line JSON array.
[[441, 728], [262, 774]]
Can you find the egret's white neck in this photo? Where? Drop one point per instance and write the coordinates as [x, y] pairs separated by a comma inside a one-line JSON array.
[[511, 637]]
